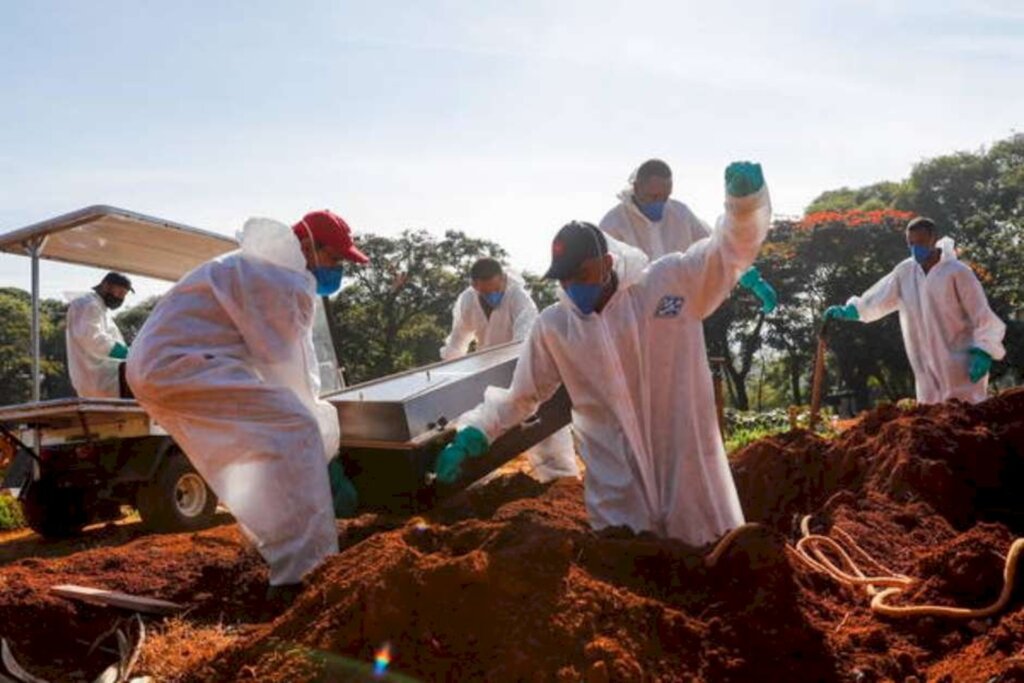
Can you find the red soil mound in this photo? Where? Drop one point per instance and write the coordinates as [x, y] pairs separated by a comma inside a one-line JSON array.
[[510, 584]]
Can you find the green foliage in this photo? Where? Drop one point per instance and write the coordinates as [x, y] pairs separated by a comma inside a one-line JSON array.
[[745, 427], [883, 195], [132, 320], [10, 513], [397, 311], [544, 292]]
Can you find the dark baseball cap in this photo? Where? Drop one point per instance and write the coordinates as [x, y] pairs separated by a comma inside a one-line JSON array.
[[575, 243], [117, 280]]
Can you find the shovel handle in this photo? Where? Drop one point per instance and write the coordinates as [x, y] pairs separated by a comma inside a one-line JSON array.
[[819, 375]]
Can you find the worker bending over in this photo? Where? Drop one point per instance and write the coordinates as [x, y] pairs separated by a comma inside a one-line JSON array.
[[226, 365], [950, 333], [647, 218], [628, 345], [496, 309], [96, 349]]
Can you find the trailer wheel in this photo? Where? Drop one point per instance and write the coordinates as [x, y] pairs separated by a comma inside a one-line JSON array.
[[54, 512], [177, 499]]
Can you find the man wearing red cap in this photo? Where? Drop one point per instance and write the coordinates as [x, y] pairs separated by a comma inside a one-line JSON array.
[[226, 365]]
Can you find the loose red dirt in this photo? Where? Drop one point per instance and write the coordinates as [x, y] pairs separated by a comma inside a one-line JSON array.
[[510, 584]]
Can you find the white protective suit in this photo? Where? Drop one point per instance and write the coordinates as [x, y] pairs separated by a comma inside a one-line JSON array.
[[512, 320], [91, 335], [942, 315], [675, 232], [638, 377], [225, 364]]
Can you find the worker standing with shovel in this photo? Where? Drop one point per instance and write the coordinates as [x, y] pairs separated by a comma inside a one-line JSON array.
[[950, 332], [629, 347], [226, 365]]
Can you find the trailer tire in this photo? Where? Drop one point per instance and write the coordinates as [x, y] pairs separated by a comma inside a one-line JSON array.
[[54, 512], [177, 499]]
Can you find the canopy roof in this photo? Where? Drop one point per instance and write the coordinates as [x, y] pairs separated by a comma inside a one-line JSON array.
[[117, 239]]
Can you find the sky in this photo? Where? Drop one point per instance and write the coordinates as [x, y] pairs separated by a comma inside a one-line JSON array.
[[501, 119]]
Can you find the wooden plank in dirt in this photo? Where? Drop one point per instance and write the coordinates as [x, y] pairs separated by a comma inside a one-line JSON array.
[[105, 598]]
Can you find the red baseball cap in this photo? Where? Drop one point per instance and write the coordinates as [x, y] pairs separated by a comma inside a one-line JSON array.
[[330, 230]]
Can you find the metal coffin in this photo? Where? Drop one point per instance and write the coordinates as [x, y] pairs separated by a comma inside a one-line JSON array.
[[401, 408]]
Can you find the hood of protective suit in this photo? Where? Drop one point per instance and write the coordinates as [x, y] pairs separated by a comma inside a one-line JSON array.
[[273, 241], [948, 248], [628, 263]]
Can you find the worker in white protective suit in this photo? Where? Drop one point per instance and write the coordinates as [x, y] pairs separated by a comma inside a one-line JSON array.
[[629, 348], [949, 330], [497, 309], [226, 365], [95, 346], [647, 218]]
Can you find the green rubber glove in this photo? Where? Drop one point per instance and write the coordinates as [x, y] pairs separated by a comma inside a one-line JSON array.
[[469, 442], [343, 492], [981, 363], [847, 312], [119, 351], [753, 281], [743, 178]]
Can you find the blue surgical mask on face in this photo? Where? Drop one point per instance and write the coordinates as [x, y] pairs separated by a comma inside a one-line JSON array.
[[920, 253], [585, 296], [494, 298], [654, 211], [328, 280]]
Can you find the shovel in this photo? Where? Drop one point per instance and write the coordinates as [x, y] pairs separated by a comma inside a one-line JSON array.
[[819, 376]]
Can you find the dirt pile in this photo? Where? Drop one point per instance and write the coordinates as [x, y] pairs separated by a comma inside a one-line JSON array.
[[966, 462], [510, 584]]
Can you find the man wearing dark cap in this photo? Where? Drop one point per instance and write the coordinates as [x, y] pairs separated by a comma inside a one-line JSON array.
[[628, 345], [96, 349], [226, 365], [949, 330]]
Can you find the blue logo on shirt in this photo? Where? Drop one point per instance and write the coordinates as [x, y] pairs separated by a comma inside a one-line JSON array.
[[669, 307]]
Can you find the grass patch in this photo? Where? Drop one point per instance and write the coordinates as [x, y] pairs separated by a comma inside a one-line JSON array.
[[10, 513]]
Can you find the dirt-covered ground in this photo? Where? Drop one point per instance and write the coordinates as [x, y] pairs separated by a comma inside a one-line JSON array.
[[509, 584]]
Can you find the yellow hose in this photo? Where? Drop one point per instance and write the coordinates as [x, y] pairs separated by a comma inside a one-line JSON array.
[[810, 549]]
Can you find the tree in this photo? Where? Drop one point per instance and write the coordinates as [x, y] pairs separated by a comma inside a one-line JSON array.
[[132, 320], [397, 311], [16, 347]]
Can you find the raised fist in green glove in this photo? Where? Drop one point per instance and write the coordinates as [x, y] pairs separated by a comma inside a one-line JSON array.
[[743, 178]]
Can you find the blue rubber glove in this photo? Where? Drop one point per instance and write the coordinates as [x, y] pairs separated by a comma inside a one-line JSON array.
[[343, 492], [753, 281], [469, 442], [743, 178], [981, 363], [119, 351], [847, 312]]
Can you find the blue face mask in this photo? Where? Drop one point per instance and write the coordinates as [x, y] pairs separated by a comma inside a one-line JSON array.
[[584, 296], [653, 210], [328, 280], [494, 298], [920, 253]]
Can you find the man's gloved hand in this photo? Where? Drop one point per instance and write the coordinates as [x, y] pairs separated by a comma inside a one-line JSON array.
[[753, 281], [469, 442], [981, 363], [743, 178], [343, 492], [119, 351], [847, 312]]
